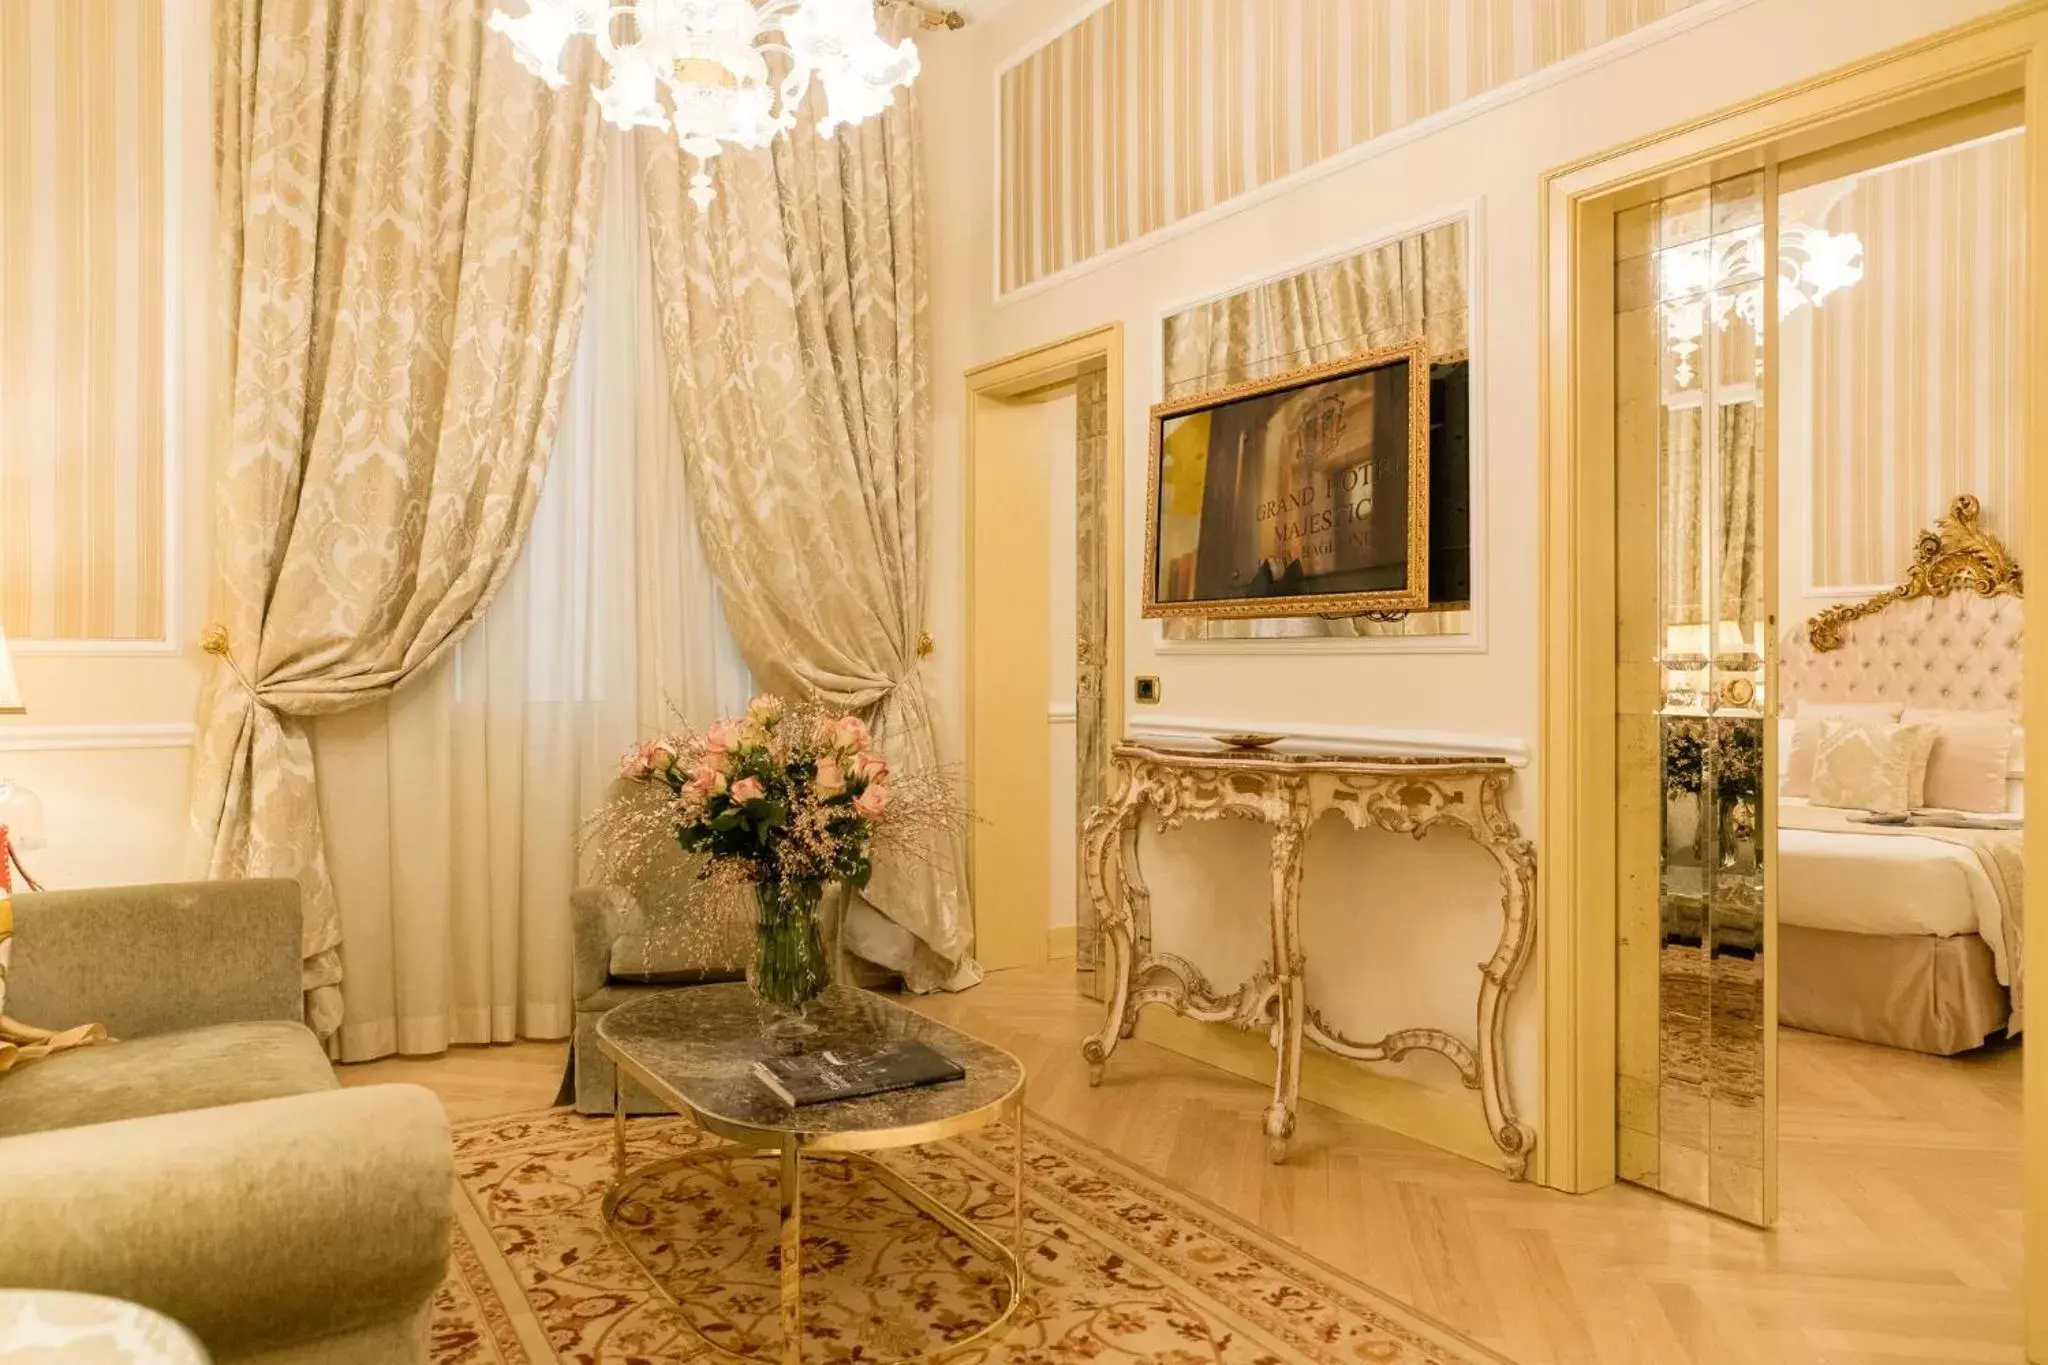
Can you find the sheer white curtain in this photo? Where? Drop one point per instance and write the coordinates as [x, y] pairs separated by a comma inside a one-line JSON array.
[[451, 809]]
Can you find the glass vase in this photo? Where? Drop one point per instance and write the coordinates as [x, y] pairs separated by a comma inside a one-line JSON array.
[[790, 969]]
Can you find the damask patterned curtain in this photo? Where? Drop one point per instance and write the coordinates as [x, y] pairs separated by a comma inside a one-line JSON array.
[[406, 219], [794, 317]]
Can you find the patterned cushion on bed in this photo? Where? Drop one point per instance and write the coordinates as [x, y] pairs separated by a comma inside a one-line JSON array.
[[1806, 736], [1871, 765]]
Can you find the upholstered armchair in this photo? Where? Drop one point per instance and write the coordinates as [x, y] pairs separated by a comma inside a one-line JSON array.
[[628, 945], [622, 952], [205, 1164]]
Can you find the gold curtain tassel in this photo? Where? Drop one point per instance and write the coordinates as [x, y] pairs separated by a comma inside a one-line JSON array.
[[214, 640]]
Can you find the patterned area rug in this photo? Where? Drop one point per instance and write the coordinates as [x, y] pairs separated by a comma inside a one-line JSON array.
[[1122, 1268]]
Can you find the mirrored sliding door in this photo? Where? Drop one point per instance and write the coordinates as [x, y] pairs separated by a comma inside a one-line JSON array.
[[1694, 301]]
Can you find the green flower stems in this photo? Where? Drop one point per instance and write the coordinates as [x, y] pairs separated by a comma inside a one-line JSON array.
[[790, 970]]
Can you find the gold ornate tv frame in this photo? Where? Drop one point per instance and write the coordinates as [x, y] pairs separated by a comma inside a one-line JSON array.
[[1414, 596]]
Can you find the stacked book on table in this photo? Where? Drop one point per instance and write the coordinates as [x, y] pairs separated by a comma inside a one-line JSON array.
[[853, 1073]]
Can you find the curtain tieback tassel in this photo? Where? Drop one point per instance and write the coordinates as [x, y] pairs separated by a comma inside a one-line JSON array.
[[214, 640]]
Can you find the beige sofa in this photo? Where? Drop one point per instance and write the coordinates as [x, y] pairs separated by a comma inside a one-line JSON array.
[[206, 1165]]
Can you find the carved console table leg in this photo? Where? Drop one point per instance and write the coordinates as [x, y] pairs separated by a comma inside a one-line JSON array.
[[1137, 912], [1290, 1002], [1499, 973], [1109, 827]]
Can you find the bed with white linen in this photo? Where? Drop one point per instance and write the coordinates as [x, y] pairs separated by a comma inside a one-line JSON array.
[[1909, 936]]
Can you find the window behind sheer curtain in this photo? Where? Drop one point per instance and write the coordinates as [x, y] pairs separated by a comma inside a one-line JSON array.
[[451, 811]]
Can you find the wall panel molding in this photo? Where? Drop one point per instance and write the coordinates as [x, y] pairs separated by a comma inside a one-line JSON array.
[[87, 312], [19, 739], [1105, 141], [1419, 280]]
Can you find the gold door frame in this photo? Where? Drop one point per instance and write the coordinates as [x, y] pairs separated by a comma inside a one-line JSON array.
[[2001, 59]]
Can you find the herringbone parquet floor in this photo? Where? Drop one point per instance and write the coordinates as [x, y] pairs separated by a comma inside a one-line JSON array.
[[1900, 1236]]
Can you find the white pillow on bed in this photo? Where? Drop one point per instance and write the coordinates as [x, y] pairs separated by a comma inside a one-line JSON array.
[[1806, 737], [1871, 765], [1972, 758]]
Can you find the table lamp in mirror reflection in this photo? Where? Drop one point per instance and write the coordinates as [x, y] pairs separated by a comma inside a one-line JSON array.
[[21, 810]]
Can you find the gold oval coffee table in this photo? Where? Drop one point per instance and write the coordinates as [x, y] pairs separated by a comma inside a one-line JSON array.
[[695, 1049]]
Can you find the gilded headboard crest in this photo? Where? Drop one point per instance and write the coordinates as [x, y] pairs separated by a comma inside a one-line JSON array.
[[1957, 556]]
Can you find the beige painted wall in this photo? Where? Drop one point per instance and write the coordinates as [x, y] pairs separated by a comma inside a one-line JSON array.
[[106, 741], [1391, 923]]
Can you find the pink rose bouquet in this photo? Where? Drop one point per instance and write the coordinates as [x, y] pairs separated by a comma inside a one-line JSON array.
[[780, 795], [785, 799]]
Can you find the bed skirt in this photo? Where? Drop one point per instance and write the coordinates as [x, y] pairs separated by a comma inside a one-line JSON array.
[[1922, 992]]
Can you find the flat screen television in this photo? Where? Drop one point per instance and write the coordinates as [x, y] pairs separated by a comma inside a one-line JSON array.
[[1308, 494]]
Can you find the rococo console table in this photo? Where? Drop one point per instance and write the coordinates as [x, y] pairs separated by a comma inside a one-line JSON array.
[[1289, 792]]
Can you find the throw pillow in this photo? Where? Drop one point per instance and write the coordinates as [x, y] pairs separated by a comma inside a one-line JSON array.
[[1972, 759], [1806, 737], [1870, 765]]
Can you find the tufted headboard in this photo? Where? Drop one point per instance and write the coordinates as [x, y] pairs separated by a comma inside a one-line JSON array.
[[1948, 638]]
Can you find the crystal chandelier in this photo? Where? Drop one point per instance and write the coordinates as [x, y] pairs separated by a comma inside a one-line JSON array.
[[712, 60]]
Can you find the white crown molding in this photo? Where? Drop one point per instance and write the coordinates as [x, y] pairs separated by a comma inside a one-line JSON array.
[[23, 739], [1346, 740], [1612, 50]]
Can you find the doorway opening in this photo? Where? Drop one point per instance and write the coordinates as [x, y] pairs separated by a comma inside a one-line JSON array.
[[1673, 879], [1812, 379], [1044, 678]]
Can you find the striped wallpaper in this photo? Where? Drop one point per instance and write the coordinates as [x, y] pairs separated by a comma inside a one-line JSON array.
[[82, 325], [1150, 111], [1920, 370]]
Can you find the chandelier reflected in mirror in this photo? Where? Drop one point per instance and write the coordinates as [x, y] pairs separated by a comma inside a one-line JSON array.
[[1721, 278], [719, 73]]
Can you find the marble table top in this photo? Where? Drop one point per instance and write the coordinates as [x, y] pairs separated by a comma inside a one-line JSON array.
[[695, 1048], [1200, 754]]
